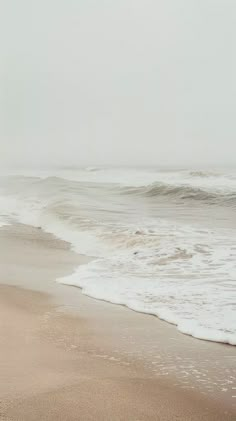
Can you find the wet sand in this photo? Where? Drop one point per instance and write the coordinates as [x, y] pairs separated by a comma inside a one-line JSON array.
[[64, 356]]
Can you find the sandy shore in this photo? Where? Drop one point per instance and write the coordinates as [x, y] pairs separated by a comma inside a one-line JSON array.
[[64, 356]]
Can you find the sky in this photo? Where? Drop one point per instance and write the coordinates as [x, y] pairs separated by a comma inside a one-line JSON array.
[[128, 82]]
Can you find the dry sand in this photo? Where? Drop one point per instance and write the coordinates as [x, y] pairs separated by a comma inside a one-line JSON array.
[[64, 356]]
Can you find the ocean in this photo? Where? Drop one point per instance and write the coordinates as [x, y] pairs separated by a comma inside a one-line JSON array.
[[161, 241]]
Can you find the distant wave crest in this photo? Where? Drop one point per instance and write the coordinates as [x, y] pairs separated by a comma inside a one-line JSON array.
[[183, 192], [204, 174]]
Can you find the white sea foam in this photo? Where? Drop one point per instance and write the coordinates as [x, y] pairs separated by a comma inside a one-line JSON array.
[[180, 282], [179, 266]]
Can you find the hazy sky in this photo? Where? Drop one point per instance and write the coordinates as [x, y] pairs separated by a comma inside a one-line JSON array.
[[117, 82]]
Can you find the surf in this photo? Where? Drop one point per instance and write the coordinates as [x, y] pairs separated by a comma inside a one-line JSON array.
[[149, 248]]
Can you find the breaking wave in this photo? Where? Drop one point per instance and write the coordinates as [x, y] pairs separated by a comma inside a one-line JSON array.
[[177, 269], [183, 192]]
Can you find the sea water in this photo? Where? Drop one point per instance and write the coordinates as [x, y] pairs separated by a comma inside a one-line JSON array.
[[162, 241]]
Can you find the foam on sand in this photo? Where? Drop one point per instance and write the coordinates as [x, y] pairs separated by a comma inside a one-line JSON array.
[[177, 263]]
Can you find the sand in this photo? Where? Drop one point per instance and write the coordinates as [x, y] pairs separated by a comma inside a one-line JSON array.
[[64, 356]]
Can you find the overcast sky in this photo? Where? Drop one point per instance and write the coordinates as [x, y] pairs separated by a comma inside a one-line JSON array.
[[117, 82]]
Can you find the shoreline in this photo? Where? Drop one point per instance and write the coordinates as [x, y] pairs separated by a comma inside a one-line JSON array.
[[143, 368]]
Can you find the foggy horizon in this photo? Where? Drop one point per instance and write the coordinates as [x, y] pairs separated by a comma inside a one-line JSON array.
[[133, 83]]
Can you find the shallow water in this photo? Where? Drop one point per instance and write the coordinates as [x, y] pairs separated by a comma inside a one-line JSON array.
[[163, 241]]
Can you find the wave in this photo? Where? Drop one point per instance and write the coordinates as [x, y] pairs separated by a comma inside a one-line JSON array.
[[212, 194], [204, 174], [183, 192], [154, 265], [197, 309], [209, 196]]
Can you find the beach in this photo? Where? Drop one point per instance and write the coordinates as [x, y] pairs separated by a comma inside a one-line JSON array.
[[65, 356], [117, 211]]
